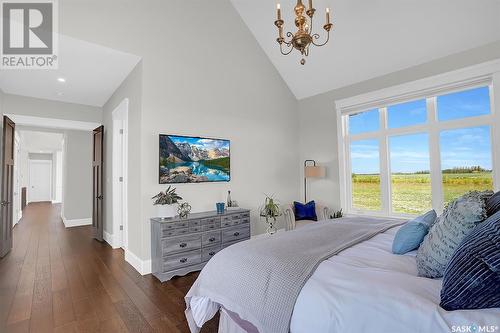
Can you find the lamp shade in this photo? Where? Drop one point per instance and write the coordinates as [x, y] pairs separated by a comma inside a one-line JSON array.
[[314, 171]]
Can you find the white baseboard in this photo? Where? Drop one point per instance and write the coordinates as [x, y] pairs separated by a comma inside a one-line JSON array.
[[76, 222], [112, 240], [142, 266]]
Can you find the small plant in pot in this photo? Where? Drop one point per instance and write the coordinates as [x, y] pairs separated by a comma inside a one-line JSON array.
[[164, 202], [270, 211]]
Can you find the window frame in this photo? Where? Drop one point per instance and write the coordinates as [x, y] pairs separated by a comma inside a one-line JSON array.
[[427, 89]]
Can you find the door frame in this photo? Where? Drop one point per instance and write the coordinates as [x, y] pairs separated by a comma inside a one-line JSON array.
[[120, 141], [30, 163]]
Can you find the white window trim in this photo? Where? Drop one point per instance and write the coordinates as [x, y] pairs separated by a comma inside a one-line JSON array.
[[479, 75]]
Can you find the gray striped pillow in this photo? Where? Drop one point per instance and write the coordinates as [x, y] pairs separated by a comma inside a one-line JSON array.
[[451, 227]]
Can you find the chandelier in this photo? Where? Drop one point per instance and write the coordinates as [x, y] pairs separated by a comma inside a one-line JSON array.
[[304, 36]]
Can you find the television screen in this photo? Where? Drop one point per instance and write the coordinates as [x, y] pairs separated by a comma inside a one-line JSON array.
[[185, 159]]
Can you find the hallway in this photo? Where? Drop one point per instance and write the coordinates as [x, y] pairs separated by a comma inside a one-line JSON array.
[[60, 280]]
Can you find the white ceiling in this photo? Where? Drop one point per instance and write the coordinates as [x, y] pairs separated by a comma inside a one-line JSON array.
[[92, 74], [41, 142], [372, 38]]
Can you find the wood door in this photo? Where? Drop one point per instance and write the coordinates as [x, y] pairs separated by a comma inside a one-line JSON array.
[[97, 171], [40, 172], [7, 186]]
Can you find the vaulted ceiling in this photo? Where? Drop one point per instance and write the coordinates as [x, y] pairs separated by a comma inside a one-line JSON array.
[[372, 38]]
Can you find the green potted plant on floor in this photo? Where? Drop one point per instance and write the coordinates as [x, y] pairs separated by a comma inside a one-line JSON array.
[[270, 211]]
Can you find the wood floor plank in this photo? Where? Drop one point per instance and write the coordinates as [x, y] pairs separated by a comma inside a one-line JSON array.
[[63, 312]]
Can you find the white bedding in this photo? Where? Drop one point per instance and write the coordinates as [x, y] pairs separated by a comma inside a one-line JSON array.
[[368, 289]]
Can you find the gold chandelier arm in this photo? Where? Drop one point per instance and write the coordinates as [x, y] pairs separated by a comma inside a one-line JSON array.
[[316, 36], [288, 45]]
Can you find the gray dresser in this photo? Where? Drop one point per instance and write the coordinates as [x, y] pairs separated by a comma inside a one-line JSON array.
[[180, 246]]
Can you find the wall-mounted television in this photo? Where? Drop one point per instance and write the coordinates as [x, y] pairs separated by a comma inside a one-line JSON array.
[[188, 159]]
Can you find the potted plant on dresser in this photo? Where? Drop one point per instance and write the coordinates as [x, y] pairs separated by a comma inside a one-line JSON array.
[[164, 202]]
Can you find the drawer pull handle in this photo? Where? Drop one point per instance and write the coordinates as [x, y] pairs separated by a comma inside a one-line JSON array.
[[212, 239], [182, 244], [183, 260], [212, 253], [236, 234]]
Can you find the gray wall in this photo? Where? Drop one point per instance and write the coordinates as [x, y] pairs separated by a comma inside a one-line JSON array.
[[77, 175], [199, 85], [318, 121], [131, 88], [35, 107]]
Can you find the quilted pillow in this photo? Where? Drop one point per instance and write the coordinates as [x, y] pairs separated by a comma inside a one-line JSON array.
[[456, 222], [472, 278]]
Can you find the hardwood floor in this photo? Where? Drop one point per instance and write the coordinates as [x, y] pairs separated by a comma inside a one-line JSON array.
[[60, 280]]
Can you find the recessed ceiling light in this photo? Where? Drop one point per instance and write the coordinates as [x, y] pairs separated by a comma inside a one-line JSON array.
[[60, 94], [61, 79]]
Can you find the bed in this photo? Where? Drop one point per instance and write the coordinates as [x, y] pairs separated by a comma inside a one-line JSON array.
[[363, 288]]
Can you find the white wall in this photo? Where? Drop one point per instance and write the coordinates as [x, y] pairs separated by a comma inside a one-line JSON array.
[[195, 84], [77, 175], [318, 122]]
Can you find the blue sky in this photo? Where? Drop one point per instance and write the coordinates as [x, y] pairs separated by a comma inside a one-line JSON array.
[[410, 153], [201, 142]]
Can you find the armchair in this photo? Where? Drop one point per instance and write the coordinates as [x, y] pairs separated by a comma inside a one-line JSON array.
[[291, 223]]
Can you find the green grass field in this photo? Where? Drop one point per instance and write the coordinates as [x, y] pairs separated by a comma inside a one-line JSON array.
[[411, 193]]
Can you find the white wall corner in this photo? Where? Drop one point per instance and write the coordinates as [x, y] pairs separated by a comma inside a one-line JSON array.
[[112, 240], [76, 222], [142, 266]]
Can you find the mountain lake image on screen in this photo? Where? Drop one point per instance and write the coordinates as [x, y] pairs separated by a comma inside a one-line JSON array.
[[186, 159]]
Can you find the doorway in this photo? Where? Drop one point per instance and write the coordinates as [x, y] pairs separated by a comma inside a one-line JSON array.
[[120, 172], [40, 180]]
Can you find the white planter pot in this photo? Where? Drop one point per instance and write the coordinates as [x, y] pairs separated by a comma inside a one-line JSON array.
[[166, 210]]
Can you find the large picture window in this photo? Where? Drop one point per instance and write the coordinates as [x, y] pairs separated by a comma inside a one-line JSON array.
[[408, 157]]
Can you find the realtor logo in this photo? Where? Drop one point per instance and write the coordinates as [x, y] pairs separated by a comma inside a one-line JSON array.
[[29, 36]]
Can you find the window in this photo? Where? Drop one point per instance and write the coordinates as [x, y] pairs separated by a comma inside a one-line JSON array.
[[406, 158], [364, 122], [410, 176], [465, 161], [365, 162], [406, 114], [470, 103]]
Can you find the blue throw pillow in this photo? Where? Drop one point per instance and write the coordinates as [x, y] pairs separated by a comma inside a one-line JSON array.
[[472, 278], [305, 212], [493, 204], [410, 235]]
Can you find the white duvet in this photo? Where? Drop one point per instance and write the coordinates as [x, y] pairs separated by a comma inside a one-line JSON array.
[[368, 289]]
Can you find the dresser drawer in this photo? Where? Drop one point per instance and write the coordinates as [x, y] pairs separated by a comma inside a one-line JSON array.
[[210, 238], [195, 229], [209, 252], [180, 244], [174, 232], [209, 220], [211, 226], [176, 261], [235, 217], [226, 223], [245, 215], [235, 233], [182, 224], [194, 223], [245, 220]]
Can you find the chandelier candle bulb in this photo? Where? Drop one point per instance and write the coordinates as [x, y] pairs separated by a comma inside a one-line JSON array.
[[310, 4], [278, 10], [327, 15]]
